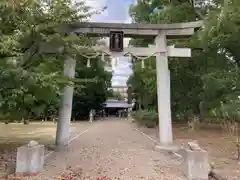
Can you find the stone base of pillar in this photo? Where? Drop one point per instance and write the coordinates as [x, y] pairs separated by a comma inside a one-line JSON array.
[[61, 148], [167, 148]]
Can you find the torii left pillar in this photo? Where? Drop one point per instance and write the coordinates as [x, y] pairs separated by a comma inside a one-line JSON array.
[[163, 92], [65, 112]]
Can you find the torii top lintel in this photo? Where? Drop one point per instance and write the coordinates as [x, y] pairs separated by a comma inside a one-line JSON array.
[[175, 30]]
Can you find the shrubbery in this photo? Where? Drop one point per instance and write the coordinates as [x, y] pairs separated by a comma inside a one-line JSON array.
[[228, 112], [148, 118]]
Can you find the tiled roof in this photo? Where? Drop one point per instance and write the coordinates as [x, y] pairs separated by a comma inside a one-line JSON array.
[[112, 103]]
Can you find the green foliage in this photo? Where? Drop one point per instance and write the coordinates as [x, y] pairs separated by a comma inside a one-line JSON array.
[[110, 93], [33, 45], [148, 118], [91, 89], [118, 96], [211, 76], [143, 83], [228, 112]]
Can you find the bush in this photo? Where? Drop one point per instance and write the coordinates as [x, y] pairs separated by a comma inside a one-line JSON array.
[[228, 112], [148, 118]]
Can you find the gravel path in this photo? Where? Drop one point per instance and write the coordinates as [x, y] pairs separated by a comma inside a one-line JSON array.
[[113, 148]]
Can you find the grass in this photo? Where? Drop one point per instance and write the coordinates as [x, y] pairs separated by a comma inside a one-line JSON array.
[[14, 135]]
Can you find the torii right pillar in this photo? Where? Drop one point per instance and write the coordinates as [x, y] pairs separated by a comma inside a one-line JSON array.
[[163, 92]]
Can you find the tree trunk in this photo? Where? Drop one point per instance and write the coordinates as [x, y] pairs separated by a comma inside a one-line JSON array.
[[25, 121], [238, 150]]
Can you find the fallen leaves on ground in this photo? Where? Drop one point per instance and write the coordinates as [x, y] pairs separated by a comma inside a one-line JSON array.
[[7, 161], [68, 174], [77, 174]]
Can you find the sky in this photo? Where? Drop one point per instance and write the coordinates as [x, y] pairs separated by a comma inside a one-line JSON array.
[[117, 11]]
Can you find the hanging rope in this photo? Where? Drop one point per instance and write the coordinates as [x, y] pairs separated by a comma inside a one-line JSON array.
[[130, 56], [127, 54], [141, 58], [114, 61], [91, 57]]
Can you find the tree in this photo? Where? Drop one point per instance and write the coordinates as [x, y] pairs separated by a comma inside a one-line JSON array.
[[143, 83], [23, 75], [223, 84], [198, 84], [33, 46], [91, 89]]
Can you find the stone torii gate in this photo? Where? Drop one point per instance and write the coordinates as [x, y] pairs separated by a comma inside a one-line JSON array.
[[160, 32]]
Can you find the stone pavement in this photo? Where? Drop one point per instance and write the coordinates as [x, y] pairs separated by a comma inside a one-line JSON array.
[[113, 148]]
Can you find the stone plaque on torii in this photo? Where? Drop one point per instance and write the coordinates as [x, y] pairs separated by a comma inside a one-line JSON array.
[[159, 32], [116, 41]]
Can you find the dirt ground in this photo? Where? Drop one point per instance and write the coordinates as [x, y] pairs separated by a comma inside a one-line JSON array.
[[222, 152], [15, 134], [113, 149]]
